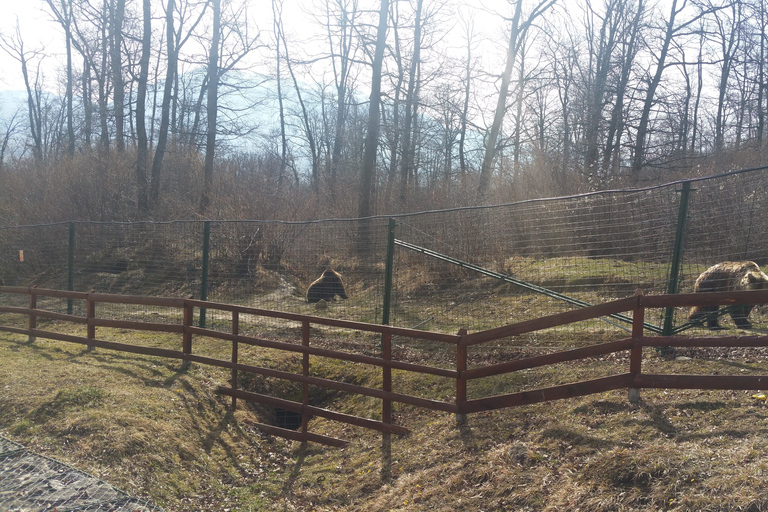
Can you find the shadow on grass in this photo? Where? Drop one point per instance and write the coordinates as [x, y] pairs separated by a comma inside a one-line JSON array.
[[209, 418], [301, 455], [574, 438], [602, 407], [702, 406]]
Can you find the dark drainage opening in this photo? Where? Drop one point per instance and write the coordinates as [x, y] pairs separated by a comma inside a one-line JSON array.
[[287, 419]]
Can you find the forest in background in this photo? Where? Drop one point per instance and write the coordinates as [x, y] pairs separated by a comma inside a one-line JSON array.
[[230, 109]]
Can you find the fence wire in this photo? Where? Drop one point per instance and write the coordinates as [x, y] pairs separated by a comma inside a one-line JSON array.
[[31, 482], [553, 255]]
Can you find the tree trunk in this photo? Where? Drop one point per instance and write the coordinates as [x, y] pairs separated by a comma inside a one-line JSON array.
[[142, 156], [727, 45], [63, 14], [118, 95], [193, 132], [365, 208], [615, 125], [70, 81], [517, 142], [103, 85], [87, 106], [313, 149], [344, 54], [465, 107], [33, 108], [603, 50], [501, 105], [411, 104], [211, 108], [516, 34], [165, 108], [642, 129], [761, 76], [699, 88], [281, 109]]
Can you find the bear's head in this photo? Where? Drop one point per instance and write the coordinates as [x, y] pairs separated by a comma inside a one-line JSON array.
[[755, 280]]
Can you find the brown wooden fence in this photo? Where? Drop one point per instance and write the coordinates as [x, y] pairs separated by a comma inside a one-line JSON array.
[[633, 380]]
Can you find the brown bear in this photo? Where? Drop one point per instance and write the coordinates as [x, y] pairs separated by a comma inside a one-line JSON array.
[[728, 276], [327, 287]]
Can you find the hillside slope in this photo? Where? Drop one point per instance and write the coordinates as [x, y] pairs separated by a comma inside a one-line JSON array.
[[145, 426]]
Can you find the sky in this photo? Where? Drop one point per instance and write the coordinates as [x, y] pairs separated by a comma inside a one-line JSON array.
[[38, 30]]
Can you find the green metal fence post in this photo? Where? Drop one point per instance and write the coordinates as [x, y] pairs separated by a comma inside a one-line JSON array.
[[674, 273], [388, 271], [71, 265], [204, 280]]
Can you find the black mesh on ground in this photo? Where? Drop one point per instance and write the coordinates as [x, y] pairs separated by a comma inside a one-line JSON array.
[[31, 482]]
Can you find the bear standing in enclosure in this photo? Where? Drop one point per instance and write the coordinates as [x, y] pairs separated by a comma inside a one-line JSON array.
[[728, 276], [327, 287]]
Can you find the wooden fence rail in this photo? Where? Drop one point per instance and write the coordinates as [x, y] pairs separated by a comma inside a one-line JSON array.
[[632, 380], [185, 309]]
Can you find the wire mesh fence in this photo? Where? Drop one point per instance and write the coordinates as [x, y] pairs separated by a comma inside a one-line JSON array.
[[472, 268], [560, 253], [29, 481]]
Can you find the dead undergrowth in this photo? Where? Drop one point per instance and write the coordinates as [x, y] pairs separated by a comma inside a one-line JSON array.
[[145, 426]]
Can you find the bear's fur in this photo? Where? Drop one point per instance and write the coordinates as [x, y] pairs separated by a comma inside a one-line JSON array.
[[728, 276], [327, 287]]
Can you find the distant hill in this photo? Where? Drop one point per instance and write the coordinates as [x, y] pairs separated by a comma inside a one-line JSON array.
[[10, 102]]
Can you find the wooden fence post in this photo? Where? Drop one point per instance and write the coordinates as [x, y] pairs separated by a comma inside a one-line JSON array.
[[305, 373], [189, 318], [235, 332], [90, 319], [32, 315], [386, 355], [636, 352], [461, 381], [386, 407]]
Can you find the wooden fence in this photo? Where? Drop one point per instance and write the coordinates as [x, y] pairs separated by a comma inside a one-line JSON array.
[[633, 380]]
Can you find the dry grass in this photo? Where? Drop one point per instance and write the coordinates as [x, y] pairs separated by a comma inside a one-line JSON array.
[[157, 432]]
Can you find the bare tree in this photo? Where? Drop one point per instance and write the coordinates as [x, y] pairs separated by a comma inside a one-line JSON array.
[[63, 14], [230, 43], [672, 28], [762, 83], [90, 37], [728, 29], [87, 104], [517, 33], [212, 107], [118, 92], [611, 155], [411, 106], [175, 40], [14, 47], [517, 133], [305, 118], [277, 28], [142, 154], [341, 27], [602, 48], [12, 127], [392, 128], [469, 32], [165, 108], [365, 206], [563, 56]]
